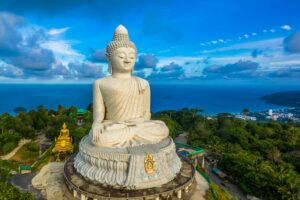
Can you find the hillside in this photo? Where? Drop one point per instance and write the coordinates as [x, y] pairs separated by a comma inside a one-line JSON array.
[[289, 98]]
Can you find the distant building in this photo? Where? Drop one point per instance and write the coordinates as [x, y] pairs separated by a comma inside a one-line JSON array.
[[80, 114], [25, 169], [273, 117], [196, 154], [270, 112], [245, 117]]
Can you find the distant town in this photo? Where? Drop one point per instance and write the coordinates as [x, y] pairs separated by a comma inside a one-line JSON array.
[[289, 99], [282, 115]]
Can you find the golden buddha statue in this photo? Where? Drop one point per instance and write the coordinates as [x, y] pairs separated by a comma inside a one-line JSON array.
[[63, 144]]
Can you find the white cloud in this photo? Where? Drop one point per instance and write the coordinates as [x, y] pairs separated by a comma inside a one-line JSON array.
[[269, 43], [180, 60], [254, 34], [59, 31], [164, 51], [286, 27], [286, 62], [7, 70], [246, 36], [63, 51], [272, 30], [60, 47]]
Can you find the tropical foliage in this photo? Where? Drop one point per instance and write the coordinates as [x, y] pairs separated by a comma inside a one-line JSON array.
[[262, 157], [8, 191]]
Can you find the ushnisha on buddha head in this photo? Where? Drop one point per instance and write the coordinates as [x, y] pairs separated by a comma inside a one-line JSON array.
[[121, 53]]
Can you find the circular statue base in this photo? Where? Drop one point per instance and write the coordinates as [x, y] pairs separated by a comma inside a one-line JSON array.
[[133, 167], [181, 187]]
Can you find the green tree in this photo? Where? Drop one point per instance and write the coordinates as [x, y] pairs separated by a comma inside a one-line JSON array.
[[245, 111], [174, 127], [8, 147], [79, 133], [273, 155]]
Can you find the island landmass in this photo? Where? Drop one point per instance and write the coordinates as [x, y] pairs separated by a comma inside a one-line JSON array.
[[288, 98]]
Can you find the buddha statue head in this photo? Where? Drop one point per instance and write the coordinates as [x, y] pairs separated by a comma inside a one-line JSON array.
[[121, 52]]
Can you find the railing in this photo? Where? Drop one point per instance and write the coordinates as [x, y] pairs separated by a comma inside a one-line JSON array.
[[198, 149]]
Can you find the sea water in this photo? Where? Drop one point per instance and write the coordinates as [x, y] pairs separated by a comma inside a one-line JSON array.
[[212, 99]]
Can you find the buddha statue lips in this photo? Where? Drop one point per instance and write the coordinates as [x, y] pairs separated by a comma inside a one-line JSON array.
[[121, 102]]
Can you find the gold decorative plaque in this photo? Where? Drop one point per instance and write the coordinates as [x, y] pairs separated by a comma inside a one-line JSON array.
[[149, 163]]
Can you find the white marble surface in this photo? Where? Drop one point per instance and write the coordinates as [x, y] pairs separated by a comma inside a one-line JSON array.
[[51, 181], [125, 167], [121, 102], [122, 122]]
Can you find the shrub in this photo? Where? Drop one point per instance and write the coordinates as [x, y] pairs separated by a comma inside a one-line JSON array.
[[32, 146], [8, 147]]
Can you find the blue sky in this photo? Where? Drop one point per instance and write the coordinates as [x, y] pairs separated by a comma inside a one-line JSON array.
[[207, 41]]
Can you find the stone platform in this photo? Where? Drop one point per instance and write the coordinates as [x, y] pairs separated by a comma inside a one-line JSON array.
[[181, 187], [133, 167]]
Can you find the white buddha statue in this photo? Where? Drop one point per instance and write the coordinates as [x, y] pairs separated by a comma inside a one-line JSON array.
[[121, 102], [125, 148]]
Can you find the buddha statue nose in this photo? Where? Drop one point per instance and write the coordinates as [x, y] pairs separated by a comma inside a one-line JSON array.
[[126, 60]]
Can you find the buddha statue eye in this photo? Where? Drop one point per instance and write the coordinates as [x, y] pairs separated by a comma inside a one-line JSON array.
[[121, 55], [131, 55]]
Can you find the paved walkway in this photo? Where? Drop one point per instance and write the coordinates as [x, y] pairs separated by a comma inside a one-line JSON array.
[[231, 187], [23, 182], [201, 188], [181, 138], [8, 156]]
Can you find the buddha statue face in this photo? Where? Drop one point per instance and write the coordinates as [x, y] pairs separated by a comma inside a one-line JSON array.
[[122, 60]]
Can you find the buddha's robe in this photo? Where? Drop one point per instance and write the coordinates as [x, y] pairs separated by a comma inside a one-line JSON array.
[[125, 103]]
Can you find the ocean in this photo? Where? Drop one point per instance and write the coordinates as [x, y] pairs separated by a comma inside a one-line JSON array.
[[212, 99]]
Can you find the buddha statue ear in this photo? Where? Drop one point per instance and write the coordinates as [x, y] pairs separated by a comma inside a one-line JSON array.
[[109, 65], [132, 70], [109, 68], [134, 62]]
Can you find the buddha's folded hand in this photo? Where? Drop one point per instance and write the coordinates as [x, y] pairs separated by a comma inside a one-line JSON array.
[[97, 129], [135, 120]]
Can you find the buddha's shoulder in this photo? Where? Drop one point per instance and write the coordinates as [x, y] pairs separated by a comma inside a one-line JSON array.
[[103, 80], [109, 80], [143, 81]]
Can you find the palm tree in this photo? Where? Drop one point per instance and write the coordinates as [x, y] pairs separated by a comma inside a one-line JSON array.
[[289, 183], [195, 111], [245, 111]]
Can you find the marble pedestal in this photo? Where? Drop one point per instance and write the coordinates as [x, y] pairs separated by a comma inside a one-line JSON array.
[[182, 187], [126, 168]]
